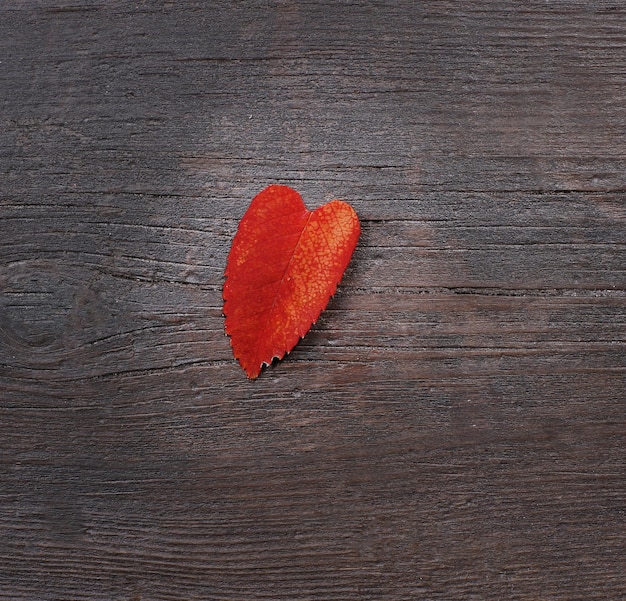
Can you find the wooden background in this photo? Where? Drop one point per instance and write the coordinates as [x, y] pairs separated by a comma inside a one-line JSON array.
[[454, 425]]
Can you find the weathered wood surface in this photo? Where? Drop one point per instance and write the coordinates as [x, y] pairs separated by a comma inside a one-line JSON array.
[[454, 425]]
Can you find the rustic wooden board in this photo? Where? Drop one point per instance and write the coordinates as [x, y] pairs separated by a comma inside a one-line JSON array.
[[453, 427]]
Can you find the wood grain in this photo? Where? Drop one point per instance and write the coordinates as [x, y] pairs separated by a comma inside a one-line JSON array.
[[452, 427]]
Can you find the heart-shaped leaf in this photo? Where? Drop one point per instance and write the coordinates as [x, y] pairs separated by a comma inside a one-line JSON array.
[[284, 265]]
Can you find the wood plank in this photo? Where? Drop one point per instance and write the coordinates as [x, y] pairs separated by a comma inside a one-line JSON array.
[[451, 428]]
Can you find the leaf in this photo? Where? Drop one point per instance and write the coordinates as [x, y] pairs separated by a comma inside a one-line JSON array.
[[284, 265]]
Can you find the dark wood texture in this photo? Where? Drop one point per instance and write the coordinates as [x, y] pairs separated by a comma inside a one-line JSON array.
[[454, 425]]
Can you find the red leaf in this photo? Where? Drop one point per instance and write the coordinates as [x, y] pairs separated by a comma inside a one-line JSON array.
[[283, 267]]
